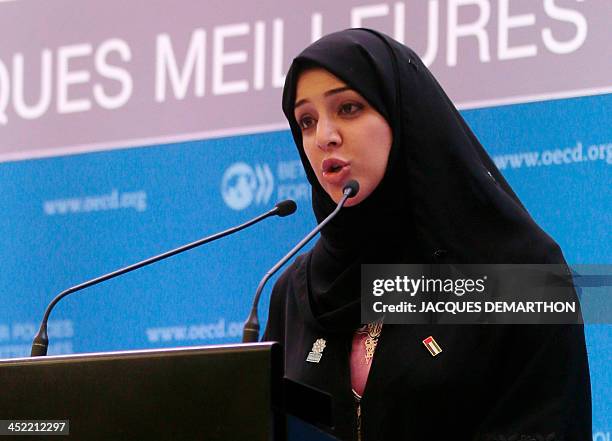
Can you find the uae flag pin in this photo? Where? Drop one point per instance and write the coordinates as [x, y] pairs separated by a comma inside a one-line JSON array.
[[432, 346]]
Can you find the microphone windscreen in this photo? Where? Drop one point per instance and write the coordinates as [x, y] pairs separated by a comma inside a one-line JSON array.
[[285, 208], [351, 186]]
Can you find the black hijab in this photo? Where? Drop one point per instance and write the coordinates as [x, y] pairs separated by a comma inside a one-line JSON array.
[[441, 198]]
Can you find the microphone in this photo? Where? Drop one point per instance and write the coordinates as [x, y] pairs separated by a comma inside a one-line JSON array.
[[41, 340], [284, 208], [250, 333]]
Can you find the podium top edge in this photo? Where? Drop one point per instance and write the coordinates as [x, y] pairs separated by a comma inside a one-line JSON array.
[[181, 350]]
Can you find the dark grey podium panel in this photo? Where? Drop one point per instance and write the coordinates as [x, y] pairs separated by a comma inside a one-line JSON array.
[[224, 393]]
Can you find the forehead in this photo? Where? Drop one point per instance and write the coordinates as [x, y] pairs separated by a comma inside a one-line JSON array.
[[314, 82]]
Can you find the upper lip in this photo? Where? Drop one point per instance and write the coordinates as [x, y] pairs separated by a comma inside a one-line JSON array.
[[330, 164]]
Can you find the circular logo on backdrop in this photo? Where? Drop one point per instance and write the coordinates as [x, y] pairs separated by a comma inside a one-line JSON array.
[[238, 186], [243, 185]]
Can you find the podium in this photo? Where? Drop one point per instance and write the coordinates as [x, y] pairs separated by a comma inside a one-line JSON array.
[[225, 393]]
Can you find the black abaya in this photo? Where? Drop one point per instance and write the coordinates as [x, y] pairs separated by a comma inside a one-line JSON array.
[[441, 200]]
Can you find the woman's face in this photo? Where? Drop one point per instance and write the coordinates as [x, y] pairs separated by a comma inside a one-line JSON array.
[[343, 136]]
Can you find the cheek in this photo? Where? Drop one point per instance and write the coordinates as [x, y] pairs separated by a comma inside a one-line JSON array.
[[378, 147]]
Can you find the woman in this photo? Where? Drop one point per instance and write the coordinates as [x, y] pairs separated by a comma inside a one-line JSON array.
[[362, 106]]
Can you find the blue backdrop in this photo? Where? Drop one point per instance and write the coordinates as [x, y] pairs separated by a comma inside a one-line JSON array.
[[68, 219]]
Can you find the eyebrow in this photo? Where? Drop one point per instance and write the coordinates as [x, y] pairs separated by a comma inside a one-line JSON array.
[[326, 94]]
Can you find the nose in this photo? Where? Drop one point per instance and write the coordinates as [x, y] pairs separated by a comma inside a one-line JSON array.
[[327, 135]]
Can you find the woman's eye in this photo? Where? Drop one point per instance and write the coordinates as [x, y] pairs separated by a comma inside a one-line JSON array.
[[349, 108], [306, 122]]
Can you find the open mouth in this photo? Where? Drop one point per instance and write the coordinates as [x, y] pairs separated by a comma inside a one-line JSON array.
[[335, 171], [333, 165]]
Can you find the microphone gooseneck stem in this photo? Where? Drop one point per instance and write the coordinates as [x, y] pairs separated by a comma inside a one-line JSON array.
[[41, 340], [250, 333]]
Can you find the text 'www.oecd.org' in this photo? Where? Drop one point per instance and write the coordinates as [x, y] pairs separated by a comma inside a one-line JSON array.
[[203, 331], [552, 157], [115, 200]]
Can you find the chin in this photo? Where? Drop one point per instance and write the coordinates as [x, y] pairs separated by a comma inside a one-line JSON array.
[[352, 201], [335, 193], [349, 202]]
